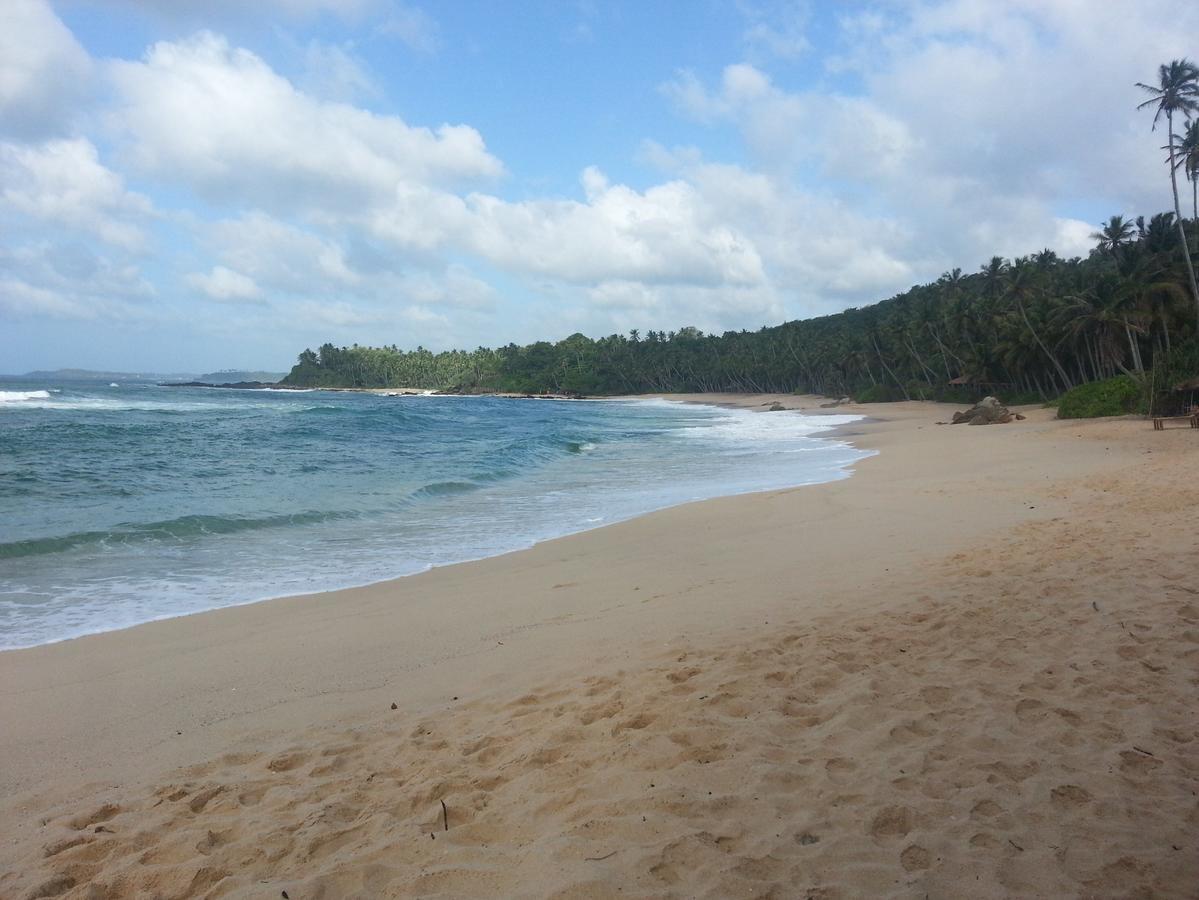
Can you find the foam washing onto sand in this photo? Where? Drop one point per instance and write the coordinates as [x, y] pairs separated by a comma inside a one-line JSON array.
[[128, 504]]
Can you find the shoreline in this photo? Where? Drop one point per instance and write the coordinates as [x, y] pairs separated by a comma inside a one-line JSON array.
[[498, 649], [829, 433]]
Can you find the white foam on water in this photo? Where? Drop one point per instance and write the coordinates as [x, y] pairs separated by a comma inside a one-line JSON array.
[[23, 396], [626, 476]]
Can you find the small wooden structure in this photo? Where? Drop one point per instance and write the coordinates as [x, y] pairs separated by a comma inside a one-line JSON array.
[[1159, 422], [980, 383], [1188, 408]]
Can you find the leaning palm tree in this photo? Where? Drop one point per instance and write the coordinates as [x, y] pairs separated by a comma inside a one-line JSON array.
[[1023, 283], [1177, 91]]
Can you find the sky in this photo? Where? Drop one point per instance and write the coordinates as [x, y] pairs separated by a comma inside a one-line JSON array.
[[190, 185]]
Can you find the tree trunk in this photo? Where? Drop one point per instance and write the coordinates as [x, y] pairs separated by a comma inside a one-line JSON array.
[[932, 376], [944, 356], [1132, 346], [890, 371], [1182, 233], [1040, 343]]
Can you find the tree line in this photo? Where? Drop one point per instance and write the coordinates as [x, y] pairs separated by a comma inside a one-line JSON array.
[[1030, 327]]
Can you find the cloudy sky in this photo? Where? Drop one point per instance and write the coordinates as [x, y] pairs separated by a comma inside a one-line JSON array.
[[202, 184]]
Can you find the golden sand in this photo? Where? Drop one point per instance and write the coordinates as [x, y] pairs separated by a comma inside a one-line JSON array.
[[971, 670]]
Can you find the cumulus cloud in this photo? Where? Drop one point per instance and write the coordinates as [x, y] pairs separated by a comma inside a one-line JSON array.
[[44, 72], [281, 255], [225, 284], [665, 233], [934, 134], [975, 124], [70, 280], [63, 182], [221, 120]]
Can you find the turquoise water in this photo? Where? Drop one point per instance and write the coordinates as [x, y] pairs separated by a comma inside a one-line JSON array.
[[124, 504]]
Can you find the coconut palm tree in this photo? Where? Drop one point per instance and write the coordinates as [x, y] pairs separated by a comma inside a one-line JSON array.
[[1187, 145], [1159, 233], [1023, 285], [1116, 232], [1177, 91]]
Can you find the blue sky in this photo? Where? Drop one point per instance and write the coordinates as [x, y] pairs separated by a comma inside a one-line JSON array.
[[188, 185]]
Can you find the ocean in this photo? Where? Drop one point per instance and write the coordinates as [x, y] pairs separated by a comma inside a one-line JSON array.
[[121, 504]]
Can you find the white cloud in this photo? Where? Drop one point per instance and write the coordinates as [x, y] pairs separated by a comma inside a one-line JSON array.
[[413, 26], [282, 256], [206, 10], [225, 284], [222, 121], [457, 287], [977, 127], [334, 313], [667, 233], [63, 182], [776, 29], [622, 305], [333, 72], [44, 72], [955, 129], [67, 279]]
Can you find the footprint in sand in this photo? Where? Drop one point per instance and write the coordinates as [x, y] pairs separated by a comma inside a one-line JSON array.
[[103, 814], [892, 822], [203, 798], [1133, 762], [915, 858], [285, 762], [1070, 795], [986, 809], [840, 770]]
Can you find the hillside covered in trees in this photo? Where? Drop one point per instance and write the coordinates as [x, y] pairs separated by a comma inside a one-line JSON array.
[[1034, 327], [1029, 328]]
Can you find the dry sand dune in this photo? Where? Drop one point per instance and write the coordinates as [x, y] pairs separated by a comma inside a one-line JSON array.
[[1017, 718]]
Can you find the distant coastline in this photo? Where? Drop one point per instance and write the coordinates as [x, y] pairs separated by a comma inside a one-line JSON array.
[[378, 391]]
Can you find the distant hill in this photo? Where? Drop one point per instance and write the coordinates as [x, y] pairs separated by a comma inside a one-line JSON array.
[[96, 375], [234, 376]]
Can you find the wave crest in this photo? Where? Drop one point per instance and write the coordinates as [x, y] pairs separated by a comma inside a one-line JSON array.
[[22, 396]]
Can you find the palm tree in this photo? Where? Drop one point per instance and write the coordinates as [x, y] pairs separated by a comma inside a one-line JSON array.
[[1116, 232], [1188, 161], [1023, 284], [1158, 237], [1177, 91]]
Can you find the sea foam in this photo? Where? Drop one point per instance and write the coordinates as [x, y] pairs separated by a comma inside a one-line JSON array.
[[119, 509], [22, 396]]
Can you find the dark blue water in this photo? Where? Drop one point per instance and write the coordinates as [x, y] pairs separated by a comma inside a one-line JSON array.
[[123, 504]]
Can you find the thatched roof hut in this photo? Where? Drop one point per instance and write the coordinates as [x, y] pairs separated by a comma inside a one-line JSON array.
[[1191, 384]]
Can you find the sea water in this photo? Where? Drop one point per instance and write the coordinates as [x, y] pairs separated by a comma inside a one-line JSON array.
[[120, 504]]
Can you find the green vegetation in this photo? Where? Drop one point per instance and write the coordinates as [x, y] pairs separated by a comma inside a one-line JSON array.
[[1111, 397], [1025, 329]]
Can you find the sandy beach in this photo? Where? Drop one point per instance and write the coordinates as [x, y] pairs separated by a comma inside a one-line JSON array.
[[969, 670]]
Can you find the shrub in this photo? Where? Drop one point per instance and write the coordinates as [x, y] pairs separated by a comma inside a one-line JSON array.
[[1114, 397], [879, 393]]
